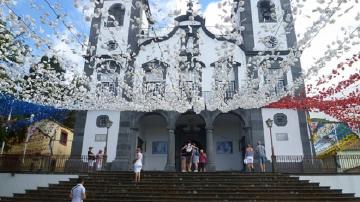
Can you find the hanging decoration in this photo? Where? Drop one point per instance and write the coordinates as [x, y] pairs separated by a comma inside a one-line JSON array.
[[119, 82]]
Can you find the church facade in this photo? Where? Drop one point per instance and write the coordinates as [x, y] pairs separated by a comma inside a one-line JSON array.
[[161, 134]]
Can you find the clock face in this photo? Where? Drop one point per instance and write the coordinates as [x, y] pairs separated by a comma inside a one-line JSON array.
[[270, 41]]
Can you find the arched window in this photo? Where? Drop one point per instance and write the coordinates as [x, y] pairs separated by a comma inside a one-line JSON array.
[[226, 76], [267, 11], [108, 66], [116, 15], [270, 67], [155, 75]]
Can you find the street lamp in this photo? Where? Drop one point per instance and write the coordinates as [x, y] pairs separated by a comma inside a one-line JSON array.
[[108, 125], [269, 124]]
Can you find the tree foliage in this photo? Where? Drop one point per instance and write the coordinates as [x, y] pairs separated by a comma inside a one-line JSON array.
[[12, 49]]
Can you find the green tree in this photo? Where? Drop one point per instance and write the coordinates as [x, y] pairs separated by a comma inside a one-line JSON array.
[[46, 79]]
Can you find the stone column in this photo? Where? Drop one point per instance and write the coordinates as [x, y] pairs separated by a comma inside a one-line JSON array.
[[170, 164], [210, 150], [133, 144]]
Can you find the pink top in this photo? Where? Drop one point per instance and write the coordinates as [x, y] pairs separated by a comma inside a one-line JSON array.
[[202, 158]]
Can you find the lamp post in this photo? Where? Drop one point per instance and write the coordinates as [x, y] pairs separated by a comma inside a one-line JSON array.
[[269, 124], [108, 125]]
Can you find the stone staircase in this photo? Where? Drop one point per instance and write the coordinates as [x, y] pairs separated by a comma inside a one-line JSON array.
[[171, 186]]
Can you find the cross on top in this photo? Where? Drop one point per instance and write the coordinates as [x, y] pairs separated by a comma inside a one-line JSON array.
[[190, 4]]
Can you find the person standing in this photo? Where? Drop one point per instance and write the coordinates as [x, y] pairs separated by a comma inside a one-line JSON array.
[[189, 154], [91, 159], [99, 160], [77, 193], [202, 161], [183, 158], [249, 158], [195, 156], [137, 164], [261, 155]]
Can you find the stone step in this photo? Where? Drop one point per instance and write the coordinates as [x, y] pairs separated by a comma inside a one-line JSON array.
[[192, 198], [163, 186], [182, 189], [197, 193]]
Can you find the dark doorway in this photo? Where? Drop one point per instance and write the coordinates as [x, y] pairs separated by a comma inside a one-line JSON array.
[[140, 144], [189, 127]]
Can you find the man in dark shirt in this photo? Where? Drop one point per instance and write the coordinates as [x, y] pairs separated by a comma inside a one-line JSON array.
[[91, 159], [261, 155]]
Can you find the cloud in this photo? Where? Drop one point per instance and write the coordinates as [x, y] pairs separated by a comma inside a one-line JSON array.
[[70, 52], [218, 16], [164, 13]]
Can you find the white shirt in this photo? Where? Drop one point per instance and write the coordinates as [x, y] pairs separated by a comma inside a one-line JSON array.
[[139, 159], [76, 193]]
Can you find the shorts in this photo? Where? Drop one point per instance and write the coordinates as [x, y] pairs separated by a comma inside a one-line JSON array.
[[249, 159], [188, 159], [262, 159], [91, 163], [201, 165], [195, 159], [137, 168], [183, 158]]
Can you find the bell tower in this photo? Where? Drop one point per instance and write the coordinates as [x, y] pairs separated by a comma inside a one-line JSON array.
[[115, 29], [267, 24]]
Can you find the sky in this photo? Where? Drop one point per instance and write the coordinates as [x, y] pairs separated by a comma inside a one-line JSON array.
[[75, 12]]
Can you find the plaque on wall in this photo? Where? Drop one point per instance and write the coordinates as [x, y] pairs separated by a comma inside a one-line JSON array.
[[100, 137], [282, 137], [280, 119]]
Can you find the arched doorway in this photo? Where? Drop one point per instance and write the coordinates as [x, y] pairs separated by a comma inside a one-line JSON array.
[[153, 139], [228, 137], [189, 126]]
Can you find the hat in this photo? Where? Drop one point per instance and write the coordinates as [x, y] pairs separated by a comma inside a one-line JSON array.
[[91, 147]]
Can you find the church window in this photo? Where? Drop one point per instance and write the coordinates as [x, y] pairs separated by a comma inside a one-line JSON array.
[[230, 90], [116, 15], [267, 11], [154, 80], [101, 121], [280, 86], [108, 87], [108, 66], [226, 80]]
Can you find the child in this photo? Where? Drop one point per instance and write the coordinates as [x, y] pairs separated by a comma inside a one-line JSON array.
[[202, 160]]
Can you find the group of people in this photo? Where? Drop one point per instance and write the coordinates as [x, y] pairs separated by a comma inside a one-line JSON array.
[[192, 158], [95, 160], [250, 155]]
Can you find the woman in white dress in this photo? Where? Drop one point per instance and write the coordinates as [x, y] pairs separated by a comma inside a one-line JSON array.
[[138, 164], [249, 158]]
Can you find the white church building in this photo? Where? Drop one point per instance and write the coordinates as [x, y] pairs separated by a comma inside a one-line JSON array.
[[124, 25]]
